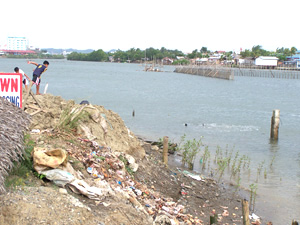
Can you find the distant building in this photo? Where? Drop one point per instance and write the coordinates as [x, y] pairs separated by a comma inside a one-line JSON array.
[[294, 57], [214, 59], [269, 61], [17, 43], [18, 52], [201, 61], [167, 61], [179, 57]]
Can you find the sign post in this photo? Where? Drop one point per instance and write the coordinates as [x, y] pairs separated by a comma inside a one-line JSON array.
[[11, 88]]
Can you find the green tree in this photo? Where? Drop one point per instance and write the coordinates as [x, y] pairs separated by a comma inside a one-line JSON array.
[[98, 56], [193, 54], [120, 56], [256, 51], [246, 53], [203, 50], [293, 50]]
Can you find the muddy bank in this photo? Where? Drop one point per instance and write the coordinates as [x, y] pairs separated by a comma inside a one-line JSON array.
[[124, 190]]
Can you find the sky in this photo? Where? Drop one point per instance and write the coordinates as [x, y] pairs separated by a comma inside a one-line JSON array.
[[187, 25]]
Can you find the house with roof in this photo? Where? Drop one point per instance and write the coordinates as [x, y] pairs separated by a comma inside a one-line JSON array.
[[201, 61], [167, 61], [266, 61]]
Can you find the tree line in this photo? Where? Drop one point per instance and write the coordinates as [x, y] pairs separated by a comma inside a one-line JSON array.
[[280, 53], [132, 55], [149, 54]]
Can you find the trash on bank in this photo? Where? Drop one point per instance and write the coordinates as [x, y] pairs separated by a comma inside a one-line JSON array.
[[35, 131], [58, 176], [189, 174], [110, 176], [255, 220], [44, 159], [253, 217], [92, 192]]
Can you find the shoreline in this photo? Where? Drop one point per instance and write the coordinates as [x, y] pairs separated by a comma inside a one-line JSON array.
[[227, 184], [197, 198]]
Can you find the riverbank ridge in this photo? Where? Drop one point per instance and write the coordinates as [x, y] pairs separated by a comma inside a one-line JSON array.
[[135, 185]]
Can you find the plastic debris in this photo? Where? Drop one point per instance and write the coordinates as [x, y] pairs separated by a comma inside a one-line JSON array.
[[58, 176], [253, 217], [35, 131], [44, 159], [109, 176], [194, 176]]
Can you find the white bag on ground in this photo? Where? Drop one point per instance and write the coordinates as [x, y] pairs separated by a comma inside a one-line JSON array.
[[58, 176]]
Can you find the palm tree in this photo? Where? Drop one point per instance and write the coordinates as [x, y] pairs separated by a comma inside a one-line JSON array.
[[256, 51], [293, 50]]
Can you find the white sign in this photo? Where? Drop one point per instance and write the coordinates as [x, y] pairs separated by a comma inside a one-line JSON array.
[[11, 87]]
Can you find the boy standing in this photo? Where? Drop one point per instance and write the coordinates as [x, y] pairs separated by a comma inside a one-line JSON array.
[[25, 79], [37, 74]]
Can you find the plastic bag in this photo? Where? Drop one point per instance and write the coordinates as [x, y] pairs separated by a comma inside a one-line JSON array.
[[58, 176]]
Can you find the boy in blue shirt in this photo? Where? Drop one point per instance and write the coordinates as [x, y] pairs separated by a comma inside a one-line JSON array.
[[37, 74]]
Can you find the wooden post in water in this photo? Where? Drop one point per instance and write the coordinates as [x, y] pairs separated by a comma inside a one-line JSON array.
[[165, 150], [275, 124], [245, 211]]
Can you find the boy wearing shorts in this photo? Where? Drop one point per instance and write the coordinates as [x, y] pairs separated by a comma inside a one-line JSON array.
[[40, 68], [25, 78]]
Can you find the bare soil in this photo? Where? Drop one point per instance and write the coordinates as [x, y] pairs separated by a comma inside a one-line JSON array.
[[39, 201]]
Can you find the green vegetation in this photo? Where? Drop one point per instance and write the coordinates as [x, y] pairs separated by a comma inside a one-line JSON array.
[[205, 157], [172, 147], [189, 148], [257, 50], [151, 54], [70, 119], [253, 190], [181, 62], [99, 56], [131, 55], [203, 53], [126, 163], [22, 169]]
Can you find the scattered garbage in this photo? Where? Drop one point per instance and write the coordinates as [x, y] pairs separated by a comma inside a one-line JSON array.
[[110, 176]]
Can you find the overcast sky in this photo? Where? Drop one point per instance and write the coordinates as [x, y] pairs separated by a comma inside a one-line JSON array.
[[174, 24]]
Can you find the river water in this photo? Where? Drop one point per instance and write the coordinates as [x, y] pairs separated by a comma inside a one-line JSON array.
[[233, 113]]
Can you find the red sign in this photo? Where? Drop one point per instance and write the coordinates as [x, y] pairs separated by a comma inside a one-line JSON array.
[[11, 87]]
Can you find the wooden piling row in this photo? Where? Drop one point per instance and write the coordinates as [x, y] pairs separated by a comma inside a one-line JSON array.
[[267, 73], [207, 71]]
